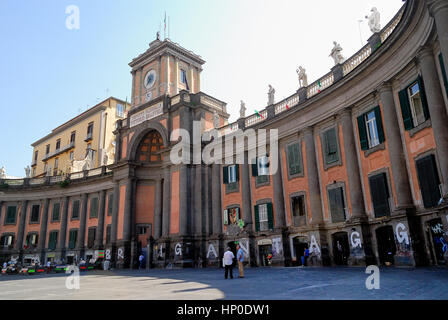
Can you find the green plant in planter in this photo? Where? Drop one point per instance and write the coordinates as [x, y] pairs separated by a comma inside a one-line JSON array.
[[64, 183]]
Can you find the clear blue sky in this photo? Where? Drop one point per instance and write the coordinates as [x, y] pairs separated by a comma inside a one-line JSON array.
[[50, 74]]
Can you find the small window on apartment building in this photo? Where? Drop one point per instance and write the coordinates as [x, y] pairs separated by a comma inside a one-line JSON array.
[[73, 137], [231, 216], [370, 128], [414, 106], [94, 208], [56, 212], [444, 74], [89, 132], [330, 146], [72, 237], [110, 203], [108, 233], [91, 237], [298, 206], [429, 182], [142, 230], [260, 169], [11, 214], [294, 159], [47, 149], [264, 217], [337, 204], [35, 156], [379, 192], [35, 211], [7, 240], [75, 209], [120, 110], [53, 240], [56, 165], [231, 174], [58, 144]]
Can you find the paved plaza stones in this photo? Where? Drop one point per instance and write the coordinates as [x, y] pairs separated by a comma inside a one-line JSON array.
[[209, 284]]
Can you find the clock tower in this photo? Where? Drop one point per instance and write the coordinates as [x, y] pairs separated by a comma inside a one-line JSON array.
[[165, 68]]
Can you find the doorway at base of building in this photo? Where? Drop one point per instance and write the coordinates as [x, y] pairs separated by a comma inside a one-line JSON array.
[[299, 248], [386, 245], [265, 255]]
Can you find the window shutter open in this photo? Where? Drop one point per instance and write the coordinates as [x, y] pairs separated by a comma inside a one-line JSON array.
[[225, 174], [270, 216], [406, 109], [379, 124], [429, 181], [255, 168], [237, 172], [226, 217], [421, 86], [362, 133], [257, 219], [380, 195]]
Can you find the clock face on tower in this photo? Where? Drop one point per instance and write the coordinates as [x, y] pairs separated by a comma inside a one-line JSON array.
[[150, 79]]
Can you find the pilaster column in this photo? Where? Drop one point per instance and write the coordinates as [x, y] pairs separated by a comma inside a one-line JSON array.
[[82, 222], [101, 215], [43, 225], [353, 174], [279, 201], [176, 75], [395, 147], [127, 219], [63, 231], [439, 10], [216, 198], [198, 195], [184, 198], [166, 202], [114, 226], [313, 177], [246, 192], [436, 105], [158, 210], [22, 222]]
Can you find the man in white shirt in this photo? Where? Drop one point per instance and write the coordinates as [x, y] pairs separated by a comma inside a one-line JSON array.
[[227, 262]]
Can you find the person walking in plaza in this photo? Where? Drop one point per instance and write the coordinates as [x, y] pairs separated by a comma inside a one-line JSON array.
[[306, 254], [227, 262], [140, 259], [48, 266], [240, 259]]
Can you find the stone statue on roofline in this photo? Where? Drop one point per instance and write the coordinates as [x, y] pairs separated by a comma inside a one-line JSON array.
[[271, 93], [374, 20], [2, 173], [336, 53], [303, 78], [216, 123], [27, 171], [242, 110]]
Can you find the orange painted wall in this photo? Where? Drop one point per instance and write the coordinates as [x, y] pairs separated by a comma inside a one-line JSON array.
[[174, 219], [176, 125], [144, 208], [295, 185], [121, 212], [124, 146], [336, 173], [163, 122], [233, 198]]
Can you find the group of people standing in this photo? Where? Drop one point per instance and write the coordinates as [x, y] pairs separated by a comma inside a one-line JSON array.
[[227, 262]]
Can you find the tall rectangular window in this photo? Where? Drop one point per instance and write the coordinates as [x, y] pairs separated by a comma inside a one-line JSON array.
[[47, 149], [231, 216], [31, 240], [73, 137], [298, 210], [58, 144], [11, 214], [379, 192], [91, 237], [35, 156], [120, 110], [337, 204], [53, 240], [94, 208], [414, 106], [7, 240], [264, 217], [110, 203], [56, 212], [370, 128], [72, 237], [429, 182], [35, 212], [260, 169], [75, 209], [89, 132], [330, 146], [294, 159], [231, 174]]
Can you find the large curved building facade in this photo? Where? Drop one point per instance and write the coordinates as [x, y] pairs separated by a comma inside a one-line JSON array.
[[362, 167]]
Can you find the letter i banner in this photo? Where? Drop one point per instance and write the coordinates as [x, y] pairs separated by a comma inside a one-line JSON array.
[[258, 114]]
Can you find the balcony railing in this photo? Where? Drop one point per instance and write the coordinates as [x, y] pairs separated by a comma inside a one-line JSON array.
[[88, 137], [56, 152]]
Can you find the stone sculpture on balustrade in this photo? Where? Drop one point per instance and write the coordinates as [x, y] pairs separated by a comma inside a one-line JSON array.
[[303, 78], [271, 98], [374, 20], [336, 53]]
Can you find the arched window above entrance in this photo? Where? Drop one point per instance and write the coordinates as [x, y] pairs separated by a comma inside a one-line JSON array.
[[150, 147]]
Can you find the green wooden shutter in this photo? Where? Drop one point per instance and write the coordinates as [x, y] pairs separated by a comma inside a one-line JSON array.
[[225, 174], [237, 172], [428, 179], [406, 109], [331, 146], [255, 168], [257, 219], [270, 216], [226, 217], [445, 77], [421, 86], [363, 133], [380, 195], [379, 124]]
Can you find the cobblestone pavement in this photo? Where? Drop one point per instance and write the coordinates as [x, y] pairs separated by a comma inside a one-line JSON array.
[[259, 283]]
